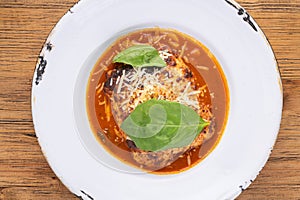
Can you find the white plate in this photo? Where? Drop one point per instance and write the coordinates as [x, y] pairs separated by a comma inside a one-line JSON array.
[[247, 59]]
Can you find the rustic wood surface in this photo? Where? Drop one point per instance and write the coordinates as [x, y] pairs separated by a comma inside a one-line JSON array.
[[24, 27]]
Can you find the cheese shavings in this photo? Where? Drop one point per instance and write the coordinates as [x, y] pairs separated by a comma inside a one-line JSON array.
[[138, 85]]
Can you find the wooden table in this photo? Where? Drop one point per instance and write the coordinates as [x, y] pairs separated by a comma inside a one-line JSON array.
[[24, 172]]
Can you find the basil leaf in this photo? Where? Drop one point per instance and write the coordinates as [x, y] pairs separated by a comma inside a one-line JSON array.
[[157, 125], [140, 56]]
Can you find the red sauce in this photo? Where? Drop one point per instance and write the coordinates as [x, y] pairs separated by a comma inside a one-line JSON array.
[[203, 65]]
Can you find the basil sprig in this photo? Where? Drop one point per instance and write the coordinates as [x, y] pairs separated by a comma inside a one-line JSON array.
[[157, 125], [140, 56]]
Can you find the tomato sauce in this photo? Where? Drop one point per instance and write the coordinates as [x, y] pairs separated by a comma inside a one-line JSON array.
[[204, 67]]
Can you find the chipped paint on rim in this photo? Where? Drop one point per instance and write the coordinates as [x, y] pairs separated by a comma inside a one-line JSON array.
[[44, 53], [241, 11], [256, 27]]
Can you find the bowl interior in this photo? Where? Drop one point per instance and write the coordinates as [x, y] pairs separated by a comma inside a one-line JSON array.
[[86, 135]]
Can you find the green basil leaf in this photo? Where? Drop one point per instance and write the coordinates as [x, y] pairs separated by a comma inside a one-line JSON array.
[[157, 125], [140, 56]]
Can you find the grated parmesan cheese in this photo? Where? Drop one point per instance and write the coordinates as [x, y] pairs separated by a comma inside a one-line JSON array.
[[121, 82], [141, 84]]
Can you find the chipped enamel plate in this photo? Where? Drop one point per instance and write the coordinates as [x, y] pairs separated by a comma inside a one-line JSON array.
[[229, 32]]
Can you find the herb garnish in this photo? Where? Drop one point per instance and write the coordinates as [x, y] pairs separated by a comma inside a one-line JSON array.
[[140, 56], [157, 125]]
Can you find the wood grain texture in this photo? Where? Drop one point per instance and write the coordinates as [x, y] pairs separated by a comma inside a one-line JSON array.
[[24, 27]]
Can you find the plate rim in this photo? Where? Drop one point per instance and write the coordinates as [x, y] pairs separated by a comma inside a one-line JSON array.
[[38, 66]]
